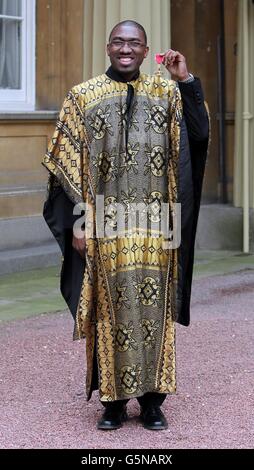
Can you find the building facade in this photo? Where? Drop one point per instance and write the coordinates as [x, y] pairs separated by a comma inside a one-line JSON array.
[[47, 46]]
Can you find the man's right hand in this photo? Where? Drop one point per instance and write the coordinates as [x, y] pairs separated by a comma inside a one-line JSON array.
[[79, 244]]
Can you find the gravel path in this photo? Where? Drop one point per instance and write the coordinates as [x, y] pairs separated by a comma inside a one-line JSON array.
[[42, 375]]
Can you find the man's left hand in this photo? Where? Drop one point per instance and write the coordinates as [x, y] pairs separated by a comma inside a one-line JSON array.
[[175, 63]]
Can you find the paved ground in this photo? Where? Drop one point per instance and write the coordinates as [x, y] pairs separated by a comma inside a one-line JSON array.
[[42, 370]]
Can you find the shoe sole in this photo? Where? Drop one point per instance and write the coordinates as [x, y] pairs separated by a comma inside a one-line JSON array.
[[108, 427], [155, 428]]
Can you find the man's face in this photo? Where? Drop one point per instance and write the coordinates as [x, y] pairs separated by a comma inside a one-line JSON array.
[[127, 49]]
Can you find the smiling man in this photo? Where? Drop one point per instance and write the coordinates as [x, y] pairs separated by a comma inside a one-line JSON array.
[[127, 49], [133, 139]]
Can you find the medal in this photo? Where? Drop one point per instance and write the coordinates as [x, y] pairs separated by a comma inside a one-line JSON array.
[[158, 59]]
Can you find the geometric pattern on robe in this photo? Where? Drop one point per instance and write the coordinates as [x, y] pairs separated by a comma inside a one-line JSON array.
[[127, 303]]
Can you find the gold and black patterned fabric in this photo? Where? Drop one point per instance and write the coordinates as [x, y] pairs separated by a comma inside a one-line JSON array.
[[128, 296]]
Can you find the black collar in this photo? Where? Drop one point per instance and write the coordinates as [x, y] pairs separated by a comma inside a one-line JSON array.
[[117, 77]]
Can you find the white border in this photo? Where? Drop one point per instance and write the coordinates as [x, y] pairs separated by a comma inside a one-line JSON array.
[[24, 99]]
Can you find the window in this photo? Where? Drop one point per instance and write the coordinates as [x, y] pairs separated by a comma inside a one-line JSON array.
[[17, 55]]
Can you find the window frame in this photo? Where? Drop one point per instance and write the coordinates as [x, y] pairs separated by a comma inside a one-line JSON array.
[[23, 99]]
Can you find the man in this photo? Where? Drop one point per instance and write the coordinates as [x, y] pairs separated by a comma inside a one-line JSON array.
[[133, 139]]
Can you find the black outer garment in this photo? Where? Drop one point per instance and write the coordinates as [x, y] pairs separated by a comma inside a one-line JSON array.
[[58, 209], [191, 173]]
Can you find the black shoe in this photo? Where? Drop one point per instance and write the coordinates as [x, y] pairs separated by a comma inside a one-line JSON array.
[[112, 418], [153, 418]]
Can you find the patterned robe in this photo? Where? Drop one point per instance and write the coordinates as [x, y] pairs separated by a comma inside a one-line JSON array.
[[127, 302]]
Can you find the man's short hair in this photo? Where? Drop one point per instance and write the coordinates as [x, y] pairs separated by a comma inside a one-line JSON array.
[[133, 23]]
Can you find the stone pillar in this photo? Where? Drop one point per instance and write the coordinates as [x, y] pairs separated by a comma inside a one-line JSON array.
[[241, 113]]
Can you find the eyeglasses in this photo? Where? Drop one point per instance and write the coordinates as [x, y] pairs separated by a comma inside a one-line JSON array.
[[118, 44]]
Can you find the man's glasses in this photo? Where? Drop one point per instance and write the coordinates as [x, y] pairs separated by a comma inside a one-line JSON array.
[[118, 44]]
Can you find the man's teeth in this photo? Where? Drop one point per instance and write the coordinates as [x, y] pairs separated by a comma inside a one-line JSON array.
[[125, 60]]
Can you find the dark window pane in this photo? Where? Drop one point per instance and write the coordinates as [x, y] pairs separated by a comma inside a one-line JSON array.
[[10, 7], [10, 54]]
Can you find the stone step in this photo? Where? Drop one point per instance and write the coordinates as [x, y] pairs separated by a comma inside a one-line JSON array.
[[21, 232], [21, 201], [37, 176], [43, 256], [220, 227], [27, 243]]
